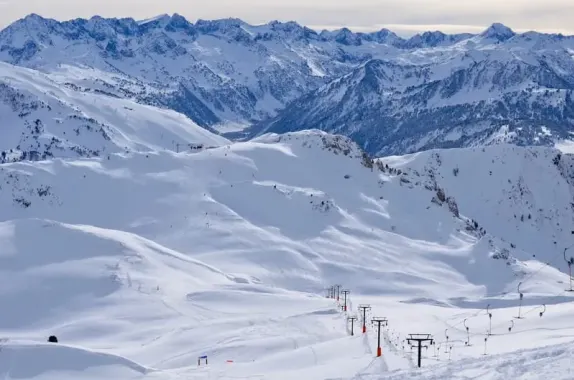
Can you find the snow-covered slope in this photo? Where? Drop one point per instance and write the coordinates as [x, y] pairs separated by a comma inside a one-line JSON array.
[[160, 257], [504, 186], [391, 95], [41, 118]]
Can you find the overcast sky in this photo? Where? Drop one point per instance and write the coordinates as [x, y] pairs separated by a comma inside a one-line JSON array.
[[405, 17]]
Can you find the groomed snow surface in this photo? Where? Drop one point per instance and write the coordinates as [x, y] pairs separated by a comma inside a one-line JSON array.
[[141, 262]]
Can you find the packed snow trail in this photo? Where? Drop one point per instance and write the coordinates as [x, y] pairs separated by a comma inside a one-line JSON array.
[[552, 362]]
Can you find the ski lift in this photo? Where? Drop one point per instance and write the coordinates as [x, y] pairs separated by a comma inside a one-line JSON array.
[[520, 304], [467, 343], [489, 319], [543, 311]]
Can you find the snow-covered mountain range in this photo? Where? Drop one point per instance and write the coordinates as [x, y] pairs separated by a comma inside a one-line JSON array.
[[390, 94], [143, 239]]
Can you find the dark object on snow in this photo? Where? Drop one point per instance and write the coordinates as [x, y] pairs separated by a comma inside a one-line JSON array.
[[53, 339]]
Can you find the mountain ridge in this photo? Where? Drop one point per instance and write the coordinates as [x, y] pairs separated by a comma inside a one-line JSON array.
[[169, 22], [392, 95]]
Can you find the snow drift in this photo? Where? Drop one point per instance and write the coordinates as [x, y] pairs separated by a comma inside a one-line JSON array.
[[23, 360]]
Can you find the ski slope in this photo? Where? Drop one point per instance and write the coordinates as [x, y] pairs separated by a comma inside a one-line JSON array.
[[145, 260]]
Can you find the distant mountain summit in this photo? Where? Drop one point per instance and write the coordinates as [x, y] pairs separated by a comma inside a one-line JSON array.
[[498, 31]]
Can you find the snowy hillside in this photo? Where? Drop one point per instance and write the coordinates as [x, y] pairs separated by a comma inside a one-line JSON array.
[[392, 95], [506, 186], [41, 118], [142, 261]]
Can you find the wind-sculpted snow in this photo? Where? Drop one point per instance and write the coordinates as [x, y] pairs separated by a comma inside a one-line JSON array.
[[157, 258]]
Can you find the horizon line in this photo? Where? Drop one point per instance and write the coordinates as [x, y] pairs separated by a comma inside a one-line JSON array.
[[401, 30]]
